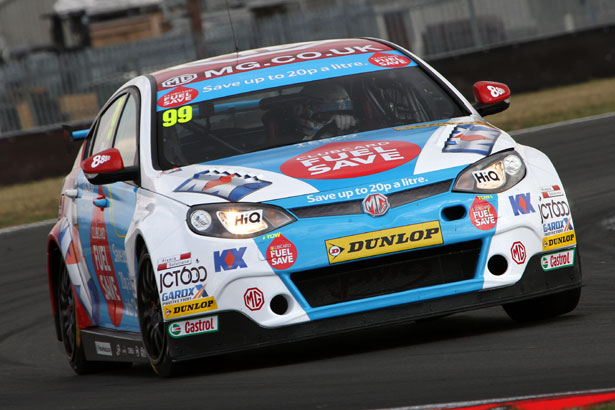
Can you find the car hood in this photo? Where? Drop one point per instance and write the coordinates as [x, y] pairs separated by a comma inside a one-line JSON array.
[[385, 160]]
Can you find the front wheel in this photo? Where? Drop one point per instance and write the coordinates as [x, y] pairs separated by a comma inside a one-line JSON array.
[[150, 319], [544, 307]]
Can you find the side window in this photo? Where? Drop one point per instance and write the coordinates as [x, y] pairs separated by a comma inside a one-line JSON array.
[[104, 134], [126, 135]]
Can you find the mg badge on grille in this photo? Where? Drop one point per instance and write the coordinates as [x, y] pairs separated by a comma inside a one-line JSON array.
[[375, 204]]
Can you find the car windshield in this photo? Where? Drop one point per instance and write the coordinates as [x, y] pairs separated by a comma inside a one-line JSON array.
[[238, 124]]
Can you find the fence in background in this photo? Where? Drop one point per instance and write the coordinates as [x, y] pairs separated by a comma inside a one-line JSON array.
[[48, 89]]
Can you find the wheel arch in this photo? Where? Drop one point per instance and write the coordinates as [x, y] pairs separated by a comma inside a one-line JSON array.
[[54, 260], [139, 247]]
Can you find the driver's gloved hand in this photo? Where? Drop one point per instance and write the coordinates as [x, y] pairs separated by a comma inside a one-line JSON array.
[[343, 121]]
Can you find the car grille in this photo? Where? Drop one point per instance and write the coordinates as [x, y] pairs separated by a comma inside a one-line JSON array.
[[354, 207], [388, 274]]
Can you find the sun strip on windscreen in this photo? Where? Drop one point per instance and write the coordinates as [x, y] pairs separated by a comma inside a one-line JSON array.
[[282, 75]]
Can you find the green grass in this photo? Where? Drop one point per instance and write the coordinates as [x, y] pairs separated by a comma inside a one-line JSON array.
[[30, 202], [38, 201], [558, 104]]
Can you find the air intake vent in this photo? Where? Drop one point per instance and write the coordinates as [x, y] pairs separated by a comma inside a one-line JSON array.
[[388, 274]]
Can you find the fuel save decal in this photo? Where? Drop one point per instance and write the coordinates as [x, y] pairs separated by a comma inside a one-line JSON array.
[[103, 265], [350, 159], [281, 253], [384, 241], [177, 97], [483, 214]]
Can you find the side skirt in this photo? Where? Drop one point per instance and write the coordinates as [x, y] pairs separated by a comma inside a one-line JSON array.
[[111, 345]]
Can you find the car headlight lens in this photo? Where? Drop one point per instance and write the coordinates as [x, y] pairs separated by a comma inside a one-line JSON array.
[[200, 220], [491, 175], [236, 220]]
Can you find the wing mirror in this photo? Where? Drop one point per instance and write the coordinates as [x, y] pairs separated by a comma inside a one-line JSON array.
[[491, 97], [106, 167]]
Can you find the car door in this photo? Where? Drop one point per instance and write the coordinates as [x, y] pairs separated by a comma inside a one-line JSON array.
[[105, 213]]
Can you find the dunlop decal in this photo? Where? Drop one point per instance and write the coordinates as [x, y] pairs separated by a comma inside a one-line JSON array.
[[189, 308], [385, 241], [559, 241]]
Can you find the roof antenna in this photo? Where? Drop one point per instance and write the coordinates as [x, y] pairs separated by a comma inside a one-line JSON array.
[[228, 10], [196, 28]]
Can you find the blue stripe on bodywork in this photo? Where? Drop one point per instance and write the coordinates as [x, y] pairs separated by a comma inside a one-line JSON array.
[[312, 253]]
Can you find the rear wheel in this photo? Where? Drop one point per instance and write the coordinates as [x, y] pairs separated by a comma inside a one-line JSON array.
[[544, 307], [68, 325], [151, 320]]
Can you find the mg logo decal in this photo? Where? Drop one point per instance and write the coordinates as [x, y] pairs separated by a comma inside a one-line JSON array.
[[178, 80], [254, 299], [375, 205], [517, 251]]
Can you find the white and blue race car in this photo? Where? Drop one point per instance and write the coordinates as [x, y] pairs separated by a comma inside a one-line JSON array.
[[286, 193]]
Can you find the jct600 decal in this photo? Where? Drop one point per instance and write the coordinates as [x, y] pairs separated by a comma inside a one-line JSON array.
[[553, 209], [185, 276]]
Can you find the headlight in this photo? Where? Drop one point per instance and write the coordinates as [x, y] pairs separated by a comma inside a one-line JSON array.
[[233, 220], [491, 175]]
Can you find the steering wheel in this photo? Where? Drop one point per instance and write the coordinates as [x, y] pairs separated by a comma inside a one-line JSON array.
[[327, 131]]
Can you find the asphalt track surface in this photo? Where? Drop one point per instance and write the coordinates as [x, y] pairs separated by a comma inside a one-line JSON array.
[[469, 356]]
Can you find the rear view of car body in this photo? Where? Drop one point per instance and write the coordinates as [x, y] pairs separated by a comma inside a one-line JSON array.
[[256, 240]]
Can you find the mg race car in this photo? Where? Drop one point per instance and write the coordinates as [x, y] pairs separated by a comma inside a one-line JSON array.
[[286, 193]]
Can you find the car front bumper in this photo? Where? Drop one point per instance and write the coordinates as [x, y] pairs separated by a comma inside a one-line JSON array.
[[236, 332]]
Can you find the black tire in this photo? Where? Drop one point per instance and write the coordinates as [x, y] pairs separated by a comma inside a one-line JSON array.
[[151, 321], [544, 307], [71, 339], [67, 315]]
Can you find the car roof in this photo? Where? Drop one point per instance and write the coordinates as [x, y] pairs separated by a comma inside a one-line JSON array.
[[249, 60]]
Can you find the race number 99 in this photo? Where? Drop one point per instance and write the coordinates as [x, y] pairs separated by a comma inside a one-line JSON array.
[[173, 116]]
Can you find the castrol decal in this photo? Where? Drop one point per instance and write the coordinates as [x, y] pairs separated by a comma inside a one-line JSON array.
[[557, 260], [350, 159]]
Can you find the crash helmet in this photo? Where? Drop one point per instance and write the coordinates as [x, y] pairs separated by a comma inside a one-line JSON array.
[[322, 101]]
